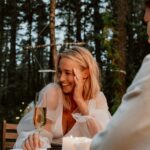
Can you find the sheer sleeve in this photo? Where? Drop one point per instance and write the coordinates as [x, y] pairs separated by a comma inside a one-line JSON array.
[[48, 97], [98, 116]]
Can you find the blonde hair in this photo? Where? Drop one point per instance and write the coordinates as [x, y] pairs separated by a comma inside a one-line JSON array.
[[86, 61]]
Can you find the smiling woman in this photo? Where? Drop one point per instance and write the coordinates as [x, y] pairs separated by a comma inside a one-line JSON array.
[[74, 103]]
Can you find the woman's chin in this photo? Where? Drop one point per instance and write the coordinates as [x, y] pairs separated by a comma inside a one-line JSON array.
[[67, 90]]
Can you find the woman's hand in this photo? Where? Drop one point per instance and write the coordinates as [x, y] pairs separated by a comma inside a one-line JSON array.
[[78, 92], [32, 142], [79, 83]]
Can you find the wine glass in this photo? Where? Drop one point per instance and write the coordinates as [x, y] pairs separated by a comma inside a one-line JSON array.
[[39, 120], [39, 117]]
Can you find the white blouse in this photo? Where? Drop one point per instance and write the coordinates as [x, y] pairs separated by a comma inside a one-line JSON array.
[[51, 97]]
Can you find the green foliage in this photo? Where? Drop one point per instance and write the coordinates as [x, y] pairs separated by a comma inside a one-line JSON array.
[[94, 22]]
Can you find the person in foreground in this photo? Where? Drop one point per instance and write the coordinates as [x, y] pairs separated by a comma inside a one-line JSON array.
[[75, 105], [129, 128]]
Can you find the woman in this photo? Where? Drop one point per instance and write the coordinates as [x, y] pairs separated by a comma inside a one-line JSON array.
[[75, 105]]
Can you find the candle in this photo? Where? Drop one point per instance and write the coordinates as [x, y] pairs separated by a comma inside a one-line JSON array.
[[82, 143], [76, 143], [68, 143]]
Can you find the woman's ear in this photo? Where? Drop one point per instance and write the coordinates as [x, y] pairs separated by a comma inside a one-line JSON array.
[[85, 73]]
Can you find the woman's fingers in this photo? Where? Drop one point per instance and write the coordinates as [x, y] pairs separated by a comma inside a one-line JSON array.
[[78, 78], [79, 82], [77, 74], [35, 140], [32, 142], [26, 145]]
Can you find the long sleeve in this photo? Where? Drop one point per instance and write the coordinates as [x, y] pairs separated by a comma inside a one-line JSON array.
[[48, 98], [129, 128], [96, 120]]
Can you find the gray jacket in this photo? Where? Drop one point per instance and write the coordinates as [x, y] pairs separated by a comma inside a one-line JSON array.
[[129, 128]]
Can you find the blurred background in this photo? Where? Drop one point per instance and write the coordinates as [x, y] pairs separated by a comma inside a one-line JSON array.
[[33, 31]]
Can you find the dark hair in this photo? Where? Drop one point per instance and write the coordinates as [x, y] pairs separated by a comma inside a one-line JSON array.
[[147, 3]]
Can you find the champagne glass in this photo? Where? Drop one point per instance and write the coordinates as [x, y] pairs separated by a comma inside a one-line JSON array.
[[39, 117], [39, 120]]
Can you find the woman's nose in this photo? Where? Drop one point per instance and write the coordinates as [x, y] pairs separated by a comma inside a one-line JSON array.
[[62, 77]]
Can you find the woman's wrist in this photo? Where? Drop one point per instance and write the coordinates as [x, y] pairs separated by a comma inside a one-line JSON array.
[[82, 106]]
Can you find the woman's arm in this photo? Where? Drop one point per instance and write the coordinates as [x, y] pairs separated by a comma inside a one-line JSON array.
[[97, 118], [39, 140], [48, 98]]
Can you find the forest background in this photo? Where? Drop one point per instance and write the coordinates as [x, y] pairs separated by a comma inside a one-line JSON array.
[[33, 31]]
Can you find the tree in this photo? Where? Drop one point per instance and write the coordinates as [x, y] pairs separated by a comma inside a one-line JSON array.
[[78, 16], [52, 62], [1, 34], [121, 21], [12, 56], [98, 26], [137, 46], [117, 71]]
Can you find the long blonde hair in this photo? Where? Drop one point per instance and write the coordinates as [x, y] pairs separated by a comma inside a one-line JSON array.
[[85, 59]]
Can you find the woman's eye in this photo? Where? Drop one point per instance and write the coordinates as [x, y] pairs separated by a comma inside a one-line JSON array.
[[68, 73]]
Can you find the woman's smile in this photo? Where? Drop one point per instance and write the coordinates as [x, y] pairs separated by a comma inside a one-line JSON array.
[[66, 75]]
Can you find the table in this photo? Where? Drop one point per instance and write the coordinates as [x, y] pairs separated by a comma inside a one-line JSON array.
[[70, 143], [55, 147]]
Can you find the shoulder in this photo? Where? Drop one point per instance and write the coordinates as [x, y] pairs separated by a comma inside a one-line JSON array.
[[100, 96], [146, 58], [51, 87], [100, 100], [142, 77], [51, 95], [146, 61]]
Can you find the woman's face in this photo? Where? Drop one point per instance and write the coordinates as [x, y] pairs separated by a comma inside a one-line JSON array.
[[66, 75]]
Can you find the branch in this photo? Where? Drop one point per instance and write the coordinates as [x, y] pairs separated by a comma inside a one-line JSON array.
[[60, 44]]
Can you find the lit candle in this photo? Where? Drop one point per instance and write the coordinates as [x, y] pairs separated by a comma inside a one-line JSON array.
[[82, 143], [68, 143], [76, 143]]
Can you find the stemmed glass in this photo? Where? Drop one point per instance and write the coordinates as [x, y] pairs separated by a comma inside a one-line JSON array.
[[39, 118]]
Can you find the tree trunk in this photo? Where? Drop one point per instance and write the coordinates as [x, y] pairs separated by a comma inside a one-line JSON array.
[[53, 52], [1, 35], [78, 20], [30, 58], [120, 7], [12, 63], [98, 25]]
